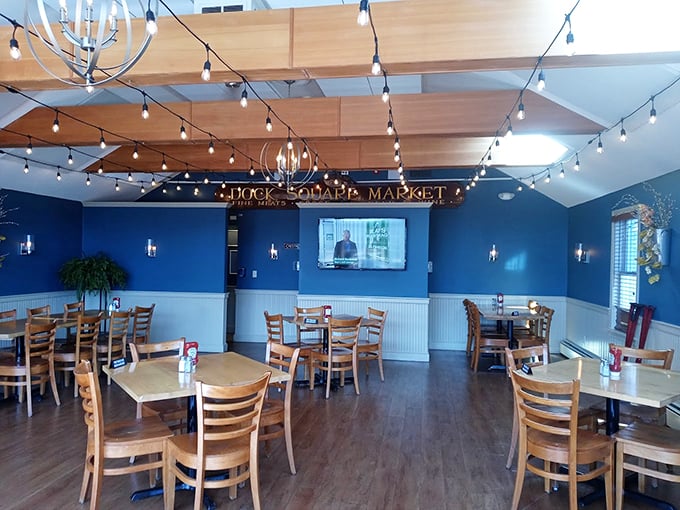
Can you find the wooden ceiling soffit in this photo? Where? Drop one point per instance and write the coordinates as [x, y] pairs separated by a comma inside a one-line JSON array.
[[461, 114], [351, 154], [415, 37]]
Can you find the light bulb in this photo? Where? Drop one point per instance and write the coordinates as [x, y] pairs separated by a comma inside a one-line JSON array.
[[211, 148], [205, 74], [178, 187], [541, 80], [571, 48], [14, 50], [183, 132], [547, 178], [129, 177], [397, 156], [600, 147], [520, 112], [55, 126], [151, 26], [100, 170], [164, 165], [26, 167], [244, 98], [397, 145], [142, 190], [386, 94], [390, 128], [187, 175], [29, 147], [652, 114], [58, 176], [232, 158], [88, 181], [70, 157], [622, 134], [268, 124], [206, 180], [153, 181], [508, 133], [482, 172], [362, 18], [533, 184], [145, 110], [135, 154], [577, 165], [375, 68], [117, 187], [251, 171], [102, 142]]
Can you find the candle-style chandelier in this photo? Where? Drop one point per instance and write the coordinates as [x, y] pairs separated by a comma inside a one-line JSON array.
[[87, 28], [291, 168]]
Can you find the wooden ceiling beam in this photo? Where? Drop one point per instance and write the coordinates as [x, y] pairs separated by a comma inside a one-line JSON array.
[[416, 37], [449, 114]]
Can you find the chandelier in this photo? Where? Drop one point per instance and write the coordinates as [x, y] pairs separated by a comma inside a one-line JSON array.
[[291, 168], [87, 28]]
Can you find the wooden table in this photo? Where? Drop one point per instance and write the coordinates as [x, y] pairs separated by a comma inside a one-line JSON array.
[[638, 384], [510, 314], [158, 379]]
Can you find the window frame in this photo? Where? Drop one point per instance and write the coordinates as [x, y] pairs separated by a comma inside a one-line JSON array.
[[618, 315]]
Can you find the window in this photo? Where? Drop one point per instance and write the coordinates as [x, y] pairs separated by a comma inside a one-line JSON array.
[[624, 273]]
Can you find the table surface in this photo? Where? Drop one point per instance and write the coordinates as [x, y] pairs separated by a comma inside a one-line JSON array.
[[158, 379], [638, 384], [365, 321], [522, 313], [13, 329]]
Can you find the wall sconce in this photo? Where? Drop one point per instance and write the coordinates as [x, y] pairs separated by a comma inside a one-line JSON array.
[[581, 255], [273, 253], [28, 246], [150, 248], [493, 254]]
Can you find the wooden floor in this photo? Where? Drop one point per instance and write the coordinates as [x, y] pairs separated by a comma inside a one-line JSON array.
[[432, 436]]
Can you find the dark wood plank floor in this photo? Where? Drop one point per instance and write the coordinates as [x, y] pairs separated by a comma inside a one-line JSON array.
[[432, 436]]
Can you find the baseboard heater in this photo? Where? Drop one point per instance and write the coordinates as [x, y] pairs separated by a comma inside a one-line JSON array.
[[571, 349]]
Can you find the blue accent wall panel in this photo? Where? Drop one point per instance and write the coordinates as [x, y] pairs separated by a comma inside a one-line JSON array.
[[257, 230], [590, 224], [529, 232], [56, 226], [411, 282], [192, 245]]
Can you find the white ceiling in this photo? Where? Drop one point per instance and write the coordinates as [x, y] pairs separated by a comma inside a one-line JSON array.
[[603, 95]]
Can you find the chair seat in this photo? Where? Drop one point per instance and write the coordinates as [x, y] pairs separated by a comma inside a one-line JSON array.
[[590, 446], [9, 367], [67, 352], [130, 432], [166, 410], [218, 453], [103, 346], [651, 436]]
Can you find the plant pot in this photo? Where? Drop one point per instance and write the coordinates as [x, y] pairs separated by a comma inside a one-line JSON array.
[[663, 241]]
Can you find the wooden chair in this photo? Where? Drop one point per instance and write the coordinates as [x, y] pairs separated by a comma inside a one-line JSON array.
[[371, 348], [173, 412], [483, 344], [113, 343], [141, 324], [341, 355], [226, 440], [541, 333], [118, 440], [274, 325], [275, 420], [534, 356], [37, 366], [646, 442], [628, 413], [67, 356], [71, 311], [303, 334], [40, 311], [485, 330], [548, 432], [7, 352]]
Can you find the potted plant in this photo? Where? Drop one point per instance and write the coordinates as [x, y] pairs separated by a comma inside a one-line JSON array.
[[93, 274]]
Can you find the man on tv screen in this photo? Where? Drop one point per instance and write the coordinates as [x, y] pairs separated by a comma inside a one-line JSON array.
[[345, 253]]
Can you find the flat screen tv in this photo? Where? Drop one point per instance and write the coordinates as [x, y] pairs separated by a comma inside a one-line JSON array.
[[362, 243]]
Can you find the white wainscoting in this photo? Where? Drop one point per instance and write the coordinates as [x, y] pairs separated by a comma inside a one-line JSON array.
[[448, 323], [195, 315], [588, 326], [406, 330], [250, 307]]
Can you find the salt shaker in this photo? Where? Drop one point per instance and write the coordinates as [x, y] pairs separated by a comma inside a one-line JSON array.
[[604, 367]]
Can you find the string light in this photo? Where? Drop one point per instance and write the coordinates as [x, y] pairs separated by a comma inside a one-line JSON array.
[[376, 68], [390, 127], [268, 122], [117, 187], [533, 184], [164, 165], [561, 171], [141, 189], [622, 134], [100, 170], [652, 112], [151, 26], [397, 145], [386, 90], [211, 146], [244, 97], [26, 166], [129, 177], [205, 74], [520, 109], [540, 84], [14, 50], [153, 181], [135, 153], [206, 180], [577, 165], [232, 158], [29, 147], [55, 124], [600, 147], [183, 131], [571, 50], [508, 133], [362, 18], [58, 174], [70, 157], [88, 181], [145, 109], [102, 142]]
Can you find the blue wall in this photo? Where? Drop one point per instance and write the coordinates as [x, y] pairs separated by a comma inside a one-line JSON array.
[[409, 283], [257, 230], [590, 224], [57, 231], [529, 232], [191, 244]]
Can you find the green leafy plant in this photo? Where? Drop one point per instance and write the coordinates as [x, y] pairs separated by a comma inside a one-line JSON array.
[[93, 274]]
